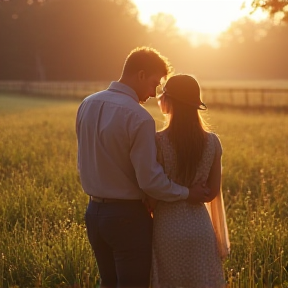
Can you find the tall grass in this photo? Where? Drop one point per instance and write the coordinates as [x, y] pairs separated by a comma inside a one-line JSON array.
[[43, 240], [43, 237]]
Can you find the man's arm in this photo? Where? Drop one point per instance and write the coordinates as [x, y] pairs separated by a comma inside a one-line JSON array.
[[199, 193], [149, 173]]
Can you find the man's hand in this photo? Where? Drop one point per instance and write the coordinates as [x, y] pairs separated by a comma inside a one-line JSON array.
[[150, 204], [199, 193]]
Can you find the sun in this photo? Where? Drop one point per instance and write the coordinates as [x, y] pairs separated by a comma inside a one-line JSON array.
[[207, 17]]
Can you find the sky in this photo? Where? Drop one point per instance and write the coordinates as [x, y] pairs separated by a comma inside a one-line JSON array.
[[208, 17]]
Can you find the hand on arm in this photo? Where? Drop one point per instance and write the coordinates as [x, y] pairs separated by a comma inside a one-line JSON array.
[[199, 193]]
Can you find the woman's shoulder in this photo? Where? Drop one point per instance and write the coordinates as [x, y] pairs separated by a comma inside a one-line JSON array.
[[214, 139], [213, 136], [161, 134]]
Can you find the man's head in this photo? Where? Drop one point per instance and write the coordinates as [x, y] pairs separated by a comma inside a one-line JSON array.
[[143, 70]]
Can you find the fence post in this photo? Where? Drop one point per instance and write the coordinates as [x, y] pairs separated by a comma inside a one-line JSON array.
[[214, 96], [231, 96], [246, 92], [262, 97]]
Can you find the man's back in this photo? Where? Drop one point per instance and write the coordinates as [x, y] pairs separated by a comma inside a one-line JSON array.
[[107, 124]]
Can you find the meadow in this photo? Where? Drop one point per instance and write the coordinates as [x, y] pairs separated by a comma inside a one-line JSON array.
[[43, 240]]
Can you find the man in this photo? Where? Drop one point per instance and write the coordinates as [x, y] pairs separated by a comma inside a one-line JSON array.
[[117, 165]]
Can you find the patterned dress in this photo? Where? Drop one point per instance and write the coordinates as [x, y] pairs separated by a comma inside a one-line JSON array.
[[185, 251]]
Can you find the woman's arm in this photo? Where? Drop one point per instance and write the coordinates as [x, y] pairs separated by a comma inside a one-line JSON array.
[[214, 178]]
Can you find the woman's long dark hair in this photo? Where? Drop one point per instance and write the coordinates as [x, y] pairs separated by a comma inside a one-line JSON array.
[[187, 133]]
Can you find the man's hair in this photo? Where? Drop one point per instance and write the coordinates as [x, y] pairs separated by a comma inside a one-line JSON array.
[[146, 59]]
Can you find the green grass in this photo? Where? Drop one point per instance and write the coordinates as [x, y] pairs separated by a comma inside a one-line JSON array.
[[43, 241]]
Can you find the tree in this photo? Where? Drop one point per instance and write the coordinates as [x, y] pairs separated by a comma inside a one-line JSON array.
[[67, 39], [275, 8], [255, 50]]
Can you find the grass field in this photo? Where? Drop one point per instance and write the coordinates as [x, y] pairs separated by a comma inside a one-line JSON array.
[[43, 240]]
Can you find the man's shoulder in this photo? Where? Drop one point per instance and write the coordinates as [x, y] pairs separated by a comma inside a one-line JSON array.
[[144, 112], [136, 114], [122, 102], [95, 95]]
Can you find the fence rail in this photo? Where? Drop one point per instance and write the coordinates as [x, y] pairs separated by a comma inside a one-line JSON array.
[[247, 97], [76, 90]]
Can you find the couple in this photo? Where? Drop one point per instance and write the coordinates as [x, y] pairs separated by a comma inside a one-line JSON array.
[[123, 170]]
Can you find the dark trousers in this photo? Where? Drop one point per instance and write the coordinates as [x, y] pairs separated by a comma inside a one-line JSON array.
[[120, 234]]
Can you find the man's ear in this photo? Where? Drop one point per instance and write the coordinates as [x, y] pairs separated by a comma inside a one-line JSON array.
[[141, 75]]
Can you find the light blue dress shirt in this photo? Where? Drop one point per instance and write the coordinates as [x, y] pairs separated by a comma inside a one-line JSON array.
[[117, 150]]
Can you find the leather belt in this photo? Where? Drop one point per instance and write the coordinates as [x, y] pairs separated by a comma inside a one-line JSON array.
[[110, 200]]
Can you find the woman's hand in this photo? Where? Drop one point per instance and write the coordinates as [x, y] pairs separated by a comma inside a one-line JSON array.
[[199, 193]]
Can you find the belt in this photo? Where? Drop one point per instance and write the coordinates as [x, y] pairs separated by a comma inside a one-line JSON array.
[[110, 200]]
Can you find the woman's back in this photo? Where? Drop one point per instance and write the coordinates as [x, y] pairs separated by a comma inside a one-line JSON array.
[[167, 157], [185, 251]]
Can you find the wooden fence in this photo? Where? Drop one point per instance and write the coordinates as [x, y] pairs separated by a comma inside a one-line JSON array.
[[240, 97]]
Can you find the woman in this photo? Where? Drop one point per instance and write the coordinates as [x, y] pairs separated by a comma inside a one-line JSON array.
[[189, 241]]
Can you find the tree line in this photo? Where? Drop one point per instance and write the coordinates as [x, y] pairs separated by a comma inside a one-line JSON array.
[[88, 40]]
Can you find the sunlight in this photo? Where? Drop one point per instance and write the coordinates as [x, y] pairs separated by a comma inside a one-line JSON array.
[[206, 17]]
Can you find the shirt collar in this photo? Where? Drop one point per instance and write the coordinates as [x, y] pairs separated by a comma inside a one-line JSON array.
[[124, 89]]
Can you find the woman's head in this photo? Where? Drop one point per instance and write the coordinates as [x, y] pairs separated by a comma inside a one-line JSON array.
[[181, 90]]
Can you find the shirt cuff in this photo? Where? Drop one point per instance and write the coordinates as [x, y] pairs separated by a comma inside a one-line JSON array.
[[185, 193]]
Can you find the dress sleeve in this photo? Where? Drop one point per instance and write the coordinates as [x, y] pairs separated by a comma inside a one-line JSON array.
[[218, 145]]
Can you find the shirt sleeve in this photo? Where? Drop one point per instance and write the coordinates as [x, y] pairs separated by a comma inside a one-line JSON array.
[[149, 173]]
